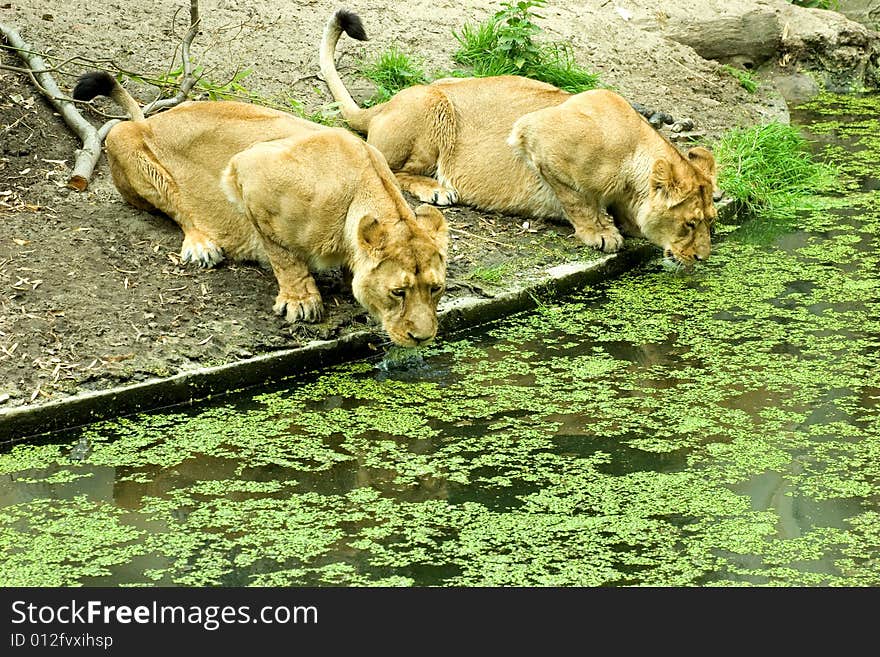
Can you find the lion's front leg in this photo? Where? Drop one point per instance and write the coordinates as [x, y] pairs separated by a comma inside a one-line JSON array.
[[427, 190], [591, 225], [298, 297]]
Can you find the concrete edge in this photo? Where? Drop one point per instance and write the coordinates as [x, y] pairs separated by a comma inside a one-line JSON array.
[[29, 421]]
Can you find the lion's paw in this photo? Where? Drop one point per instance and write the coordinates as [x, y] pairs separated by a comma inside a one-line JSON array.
[[443, 196], [608, 241], [299, 309], [200, 251]]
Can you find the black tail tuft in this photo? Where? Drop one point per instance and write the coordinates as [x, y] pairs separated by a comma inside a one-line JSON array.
[[351, 24], [94, 83]]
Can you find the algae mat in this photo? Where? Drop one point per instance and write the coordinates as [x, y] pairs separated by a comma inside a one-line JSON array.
[[713, 429]]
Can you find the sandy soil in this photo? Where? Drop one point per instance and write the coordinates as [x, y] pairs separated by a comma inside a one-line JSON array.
[[91, 290]]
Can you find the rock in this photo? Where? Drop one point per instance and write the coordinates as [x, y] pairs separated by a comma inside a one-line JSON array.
[[682, 125], [844, 53], [748, 30], [772, 34], [796, 88], [866, 12]]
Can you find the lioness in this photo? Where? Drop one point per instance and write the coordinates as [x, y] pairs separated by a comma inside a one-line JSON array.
[[335, 203], [623, 166], [453, 141], [327, 198]]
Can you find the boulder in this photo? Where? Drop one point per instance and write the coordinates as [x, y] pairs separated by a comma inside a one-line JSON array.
[[841, 52], [866, 12], [742, 31], [773, 34]]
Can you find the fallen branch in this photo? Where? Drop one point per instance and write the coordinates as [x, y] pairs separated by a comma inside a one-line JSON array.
[[92, 138]]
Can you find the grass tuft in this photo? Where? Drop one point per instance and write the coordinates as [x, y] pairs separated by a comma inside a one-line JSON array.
[[817, 4], [506, 45], [329, 114], [493, 274], [769, 170], [503, 45], [392, 71], [745, 79]]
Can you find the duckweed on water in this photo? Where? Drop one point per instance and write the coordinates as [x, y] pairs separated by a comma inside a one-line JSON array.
[[718, 428]]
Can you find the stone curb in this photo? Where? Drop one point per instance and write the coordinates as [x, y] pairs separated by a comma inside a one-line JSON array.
[[23, 422]]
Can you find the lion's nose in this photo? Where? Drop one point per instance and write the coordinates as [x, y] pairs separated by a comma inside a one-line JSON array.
[[717, 195]]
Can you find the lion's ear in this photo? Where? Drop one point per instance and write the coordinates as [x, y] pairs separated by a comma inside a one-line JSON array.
[[371, 236], [433, 221], [703, 159], [664, 181], [662, 176]]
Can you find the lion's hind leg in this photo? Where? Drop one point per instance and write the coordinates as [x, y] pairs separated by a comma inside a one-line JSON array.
[[592, 225], [198, 248], [414, 134], [147, 185]]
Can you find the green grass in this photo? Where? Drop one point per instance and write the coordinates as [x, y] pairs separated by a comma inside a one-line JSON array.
[[503, 45], [492, 274], [506, 45], [745, 79], [204, 88], [392, 71], [328, 114], [769, 170], [817, 4]]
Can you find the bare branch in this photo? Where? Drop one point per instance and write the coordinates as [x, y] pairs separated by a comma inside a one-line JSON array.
[[189, 80], [33, 76]]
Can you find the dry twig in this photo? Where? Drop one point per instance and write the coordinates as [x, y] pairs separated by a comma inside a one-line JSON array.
[[189, 79]]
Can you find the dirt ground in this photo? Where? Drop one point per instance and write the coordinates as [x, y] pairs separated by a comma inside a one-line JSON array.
[[92, 293]]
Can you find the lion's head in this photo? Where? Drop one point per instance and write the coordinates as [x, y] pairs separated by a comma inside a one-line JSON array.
[[681, 206], [402, 275]]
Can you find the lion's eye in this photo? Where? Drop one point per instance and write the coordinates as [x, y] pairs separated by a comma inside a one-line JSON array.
[[690, 224], [436, 289], [398, 292]]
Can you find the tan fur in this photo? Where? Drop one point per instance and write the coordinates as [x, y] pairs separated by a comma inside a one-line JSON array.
[[306, 196], [447, 143], [172, 162]]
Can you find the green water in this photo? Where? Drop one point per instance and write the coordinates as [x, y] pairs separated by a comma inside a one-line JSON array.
[[718, 428]]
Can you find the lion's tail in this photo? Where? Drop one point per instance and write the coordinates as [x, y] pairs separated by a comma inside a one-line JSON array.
[[101, 83], [350, 23]]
